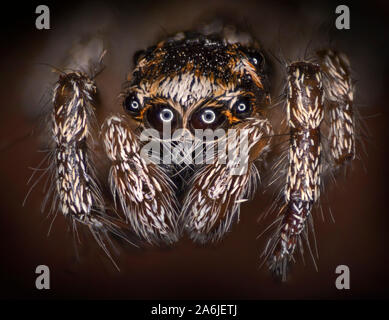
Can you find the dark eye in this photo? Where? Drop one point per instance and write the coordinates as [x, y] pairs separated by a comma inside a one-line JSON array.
[[242, 107], [208, 116], [131, 104], [255, 57], [138, 55], [160, 115], [166, 115], [207, 119]]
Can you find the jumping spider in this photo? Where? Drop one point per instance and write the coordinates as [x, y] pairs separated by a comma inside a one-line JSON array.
[[203, 79]]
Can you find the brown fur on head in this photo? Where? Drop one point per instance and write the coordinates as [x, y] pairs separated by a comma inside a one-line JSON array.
[[190, 72]]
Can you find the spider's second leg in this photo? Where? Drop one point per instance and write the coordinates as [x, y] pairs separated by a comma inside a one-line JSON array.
[[145, 192], [339, 94], [305, 112]]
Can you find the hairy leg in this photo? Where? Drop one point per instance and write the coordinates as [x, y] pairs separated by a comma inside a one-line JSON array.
[[76, 189], [339, 94], [146, 194], [217, 190], [305, 112], [314, 92]]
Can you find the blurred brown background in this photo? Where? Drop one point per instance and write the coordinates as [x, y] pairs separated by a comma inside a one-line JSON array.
[[358, 239]]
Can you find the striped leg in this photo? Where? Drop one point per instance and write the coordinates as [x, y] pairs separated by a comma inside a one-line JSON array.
[[76, 190], [217, 189], [339, 92], [305, 112], [145, 192]]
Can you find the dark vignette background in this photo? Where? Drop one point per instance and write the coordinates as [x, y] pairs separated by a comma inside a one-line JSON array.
[[358, 239]]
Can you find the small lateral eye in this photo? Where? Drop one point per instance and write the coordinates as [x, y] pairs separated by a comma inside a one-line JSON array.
[[242, 107], [131, 104], [138, 55], [256, 59]]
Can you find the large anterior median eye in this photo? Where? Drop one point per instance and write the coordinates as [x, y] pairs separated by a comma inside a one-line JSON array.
[[131, 104], [166, 115], [242, 107], [159, 116], [207, 118]]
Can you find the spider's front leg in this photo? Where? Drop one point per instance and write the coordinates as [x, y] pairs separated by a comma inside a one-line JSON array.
[[77, 192], [146, 194], [314, 90], [218, 189], [305, 112]]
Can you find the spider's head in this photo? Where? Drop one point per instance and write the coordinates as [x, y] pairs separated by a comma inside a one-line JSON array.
[[192, 81]]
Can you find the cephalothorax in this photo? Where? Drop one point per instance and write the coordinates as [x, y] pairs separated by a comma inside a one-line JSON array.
[[202, 80]]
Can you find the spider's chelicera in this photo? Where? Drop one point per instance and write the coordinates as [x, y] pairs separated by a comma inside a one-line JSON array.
[[214, 82]]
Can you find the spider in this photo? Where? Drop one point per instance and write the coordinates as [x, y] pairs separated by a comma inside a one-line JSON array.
[[207, 79]]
